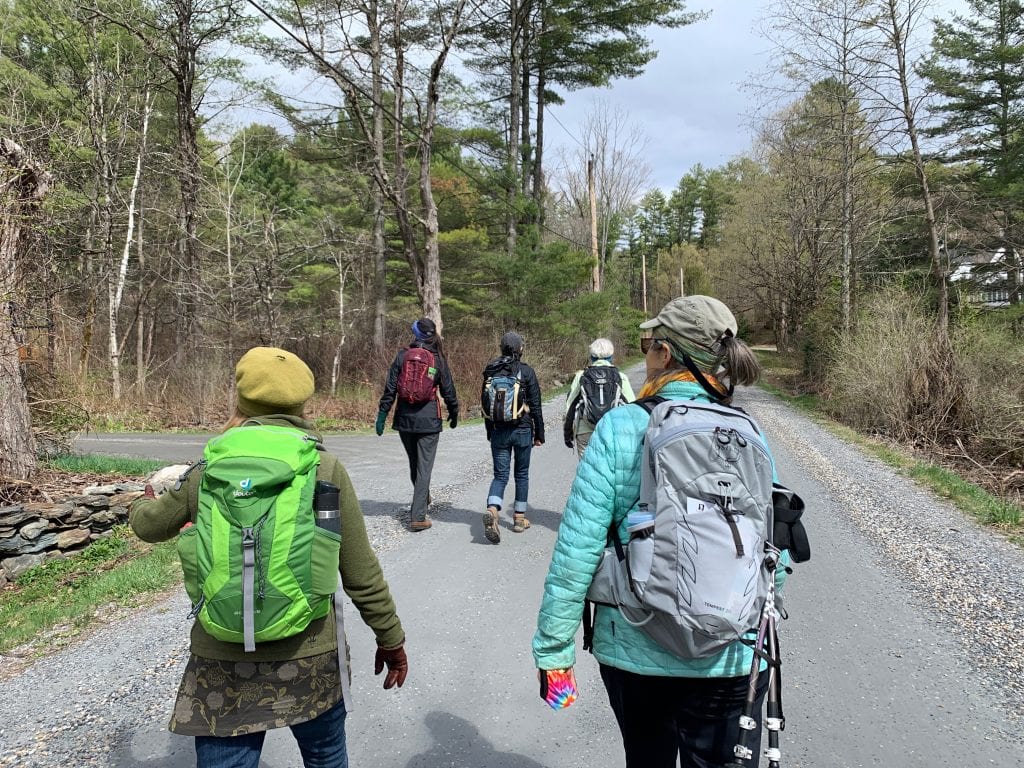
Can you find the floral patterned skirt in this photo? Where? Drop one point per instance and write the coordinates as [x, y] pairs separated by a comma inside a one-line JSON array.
[[230, 698]]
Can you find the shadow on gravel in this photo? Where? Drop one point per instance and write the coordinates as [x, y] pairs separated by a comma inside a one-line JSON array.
[[181, 752], [458, 742], [383, 508]]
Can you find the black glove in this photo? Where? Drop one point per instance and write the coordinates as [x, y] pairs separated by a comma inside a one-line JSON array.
[[568, 444], [453, 420]]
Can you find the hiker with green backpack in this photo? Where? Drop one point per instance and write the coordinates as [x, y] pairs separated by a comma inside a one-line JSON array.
[[667, 531], [269, 532]]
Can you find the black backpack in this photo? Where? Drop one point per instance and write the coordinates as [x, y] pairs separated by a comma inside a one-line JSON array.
[[600, 391]]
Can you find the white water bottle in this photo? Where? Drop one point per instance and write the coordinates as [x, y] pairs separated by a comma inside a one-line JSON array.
[[640, 524]]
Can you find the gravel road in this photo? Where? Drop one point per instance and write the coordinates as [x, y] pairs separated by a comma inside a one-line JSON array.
[[901, 650]]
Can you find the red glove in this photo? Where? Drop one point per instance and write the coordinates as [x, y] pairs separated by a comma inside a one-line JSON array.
[[398, 665], [148, 492]]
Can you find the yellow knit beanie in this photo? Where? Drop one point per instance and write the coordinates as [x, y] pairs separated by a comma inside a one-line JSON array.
[[272, 380]]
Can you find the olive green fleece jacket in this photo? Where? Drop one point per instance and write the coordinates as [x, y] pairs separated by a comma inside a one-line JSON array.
[[162, 518]]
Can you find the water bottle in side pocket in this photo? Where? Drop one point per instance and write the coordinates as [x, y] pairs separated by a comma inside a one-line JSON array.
[[327, 505]]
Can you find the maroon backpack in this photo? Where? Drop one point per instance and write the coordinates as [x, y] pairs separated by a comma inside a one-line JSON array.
[[416, 379]]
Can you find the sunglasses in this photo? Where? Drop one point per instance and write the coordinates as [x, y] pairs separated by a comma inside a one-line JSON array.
[[647, 342]]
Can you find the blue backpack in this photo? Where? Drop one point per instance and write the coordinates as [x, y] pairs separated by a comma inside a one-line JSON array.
[[500, 396]]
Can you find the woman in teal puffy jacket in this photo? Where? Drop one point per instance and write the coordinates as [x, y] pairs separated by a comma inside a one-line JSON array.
[[668, 708]]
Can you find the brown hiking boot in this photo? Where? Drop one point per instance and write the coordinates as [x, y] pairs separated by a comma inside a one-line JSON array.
[[420, 525], [519, 522], [491, 530]]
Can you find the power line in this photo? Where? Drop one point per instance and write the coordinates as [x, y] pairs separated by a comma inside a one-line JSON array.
[[553, 116]]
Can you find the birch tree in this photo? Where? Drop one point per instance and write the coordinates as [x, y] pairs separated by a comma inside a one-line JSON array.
[[817, 42], [893, 89]]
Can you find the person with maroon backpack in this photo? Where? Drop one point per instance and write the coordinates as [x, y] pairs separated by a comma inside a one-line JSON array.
[[418, 372]]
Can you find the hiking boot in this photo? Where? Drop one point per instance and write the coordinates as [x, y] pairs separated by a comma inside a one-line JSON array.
[[420, 525], [519, 522], [491, 530]]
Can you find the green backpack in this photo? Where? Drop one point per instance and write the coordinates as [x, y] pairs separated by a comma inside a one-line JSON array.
[[257, 567]]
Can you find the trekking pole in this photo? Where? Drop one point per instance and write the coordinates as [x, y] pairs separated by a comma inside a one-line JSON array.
[[775, 720], [741, 752]]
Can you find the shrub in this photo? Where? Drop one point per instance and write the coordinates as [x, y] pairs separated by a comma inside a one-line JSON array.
[[896, 376], [892, 376]]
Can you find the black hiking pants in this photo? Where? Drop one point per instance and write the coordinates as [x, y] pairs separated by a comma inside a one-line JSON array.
[[421, 448], [691, 719]]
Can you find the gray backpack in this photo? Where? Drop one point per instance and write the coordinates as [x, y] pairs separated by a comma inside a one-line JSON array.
[[693, 574]]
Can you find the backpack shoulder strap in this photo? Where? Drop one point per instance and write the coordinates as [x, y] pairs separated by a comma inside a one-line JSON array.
[[650, 403]]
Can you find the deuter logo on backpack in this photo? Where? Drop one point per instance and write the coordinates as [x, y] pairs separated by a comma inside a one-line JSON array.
[[600, 390], [416, 379], [257, 567], [694, 572], [500, 398]]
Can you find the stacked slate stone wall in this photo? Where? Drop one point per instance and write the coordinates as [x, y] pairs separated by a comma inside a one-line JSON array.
[[35, 532]]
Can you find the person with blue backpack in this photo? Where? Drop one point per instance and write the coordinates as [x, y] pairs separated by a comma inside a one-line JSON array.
[[511, 405], [418, 373], [271, 537], [679, 695]]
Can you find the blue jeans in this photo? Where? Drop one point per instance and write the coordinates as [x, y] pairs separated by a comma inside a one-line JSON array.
[[321, 742], [505, 442]]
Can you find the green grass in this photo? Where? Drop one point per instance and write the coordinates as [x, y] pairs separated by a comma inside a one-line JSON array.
[[63, 596], [976, 501], [104, 465]]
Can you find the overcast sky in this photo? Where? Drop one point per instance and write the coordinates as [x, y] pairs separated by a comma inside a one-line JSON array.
[[691, 103]]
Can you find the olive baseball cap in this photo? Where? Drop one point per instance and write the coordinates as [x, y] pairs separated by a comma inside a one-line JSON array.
[[272, 380], [700, 320]]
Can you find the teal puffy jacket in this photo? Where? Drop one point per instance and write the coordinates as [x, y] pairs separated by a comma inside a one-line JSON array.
[[606, 487]]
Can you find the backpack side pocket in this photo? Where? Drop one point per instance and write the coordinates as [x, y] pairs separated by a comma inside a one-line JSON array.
[[186, 545], [324, 566]]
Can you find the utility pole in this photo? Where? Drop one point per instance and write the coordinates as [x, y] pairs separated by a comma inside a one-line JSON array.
[[593, 224], [643, 279]]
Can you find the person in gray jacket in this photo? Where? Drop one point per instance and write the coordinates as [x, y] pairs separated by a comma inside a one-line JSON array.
[[577, 428]]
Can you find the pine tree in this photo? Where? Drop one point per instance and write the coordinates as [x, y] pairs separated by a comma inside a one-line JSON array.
[[978, 69]]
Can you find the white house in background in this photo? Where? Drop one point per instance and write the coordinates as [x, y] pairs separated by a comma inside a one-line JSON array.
[[985, 277]]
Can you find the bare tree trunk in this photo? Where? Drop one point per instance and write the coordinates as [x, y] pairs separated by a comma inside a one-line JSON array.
[[538, 153], [514, 115], [596, 277], [525, 150], [430, 289], [538, 157], [342, 338], [846, 136], [380, 285], [116, 286], [898, 39], [140, 323], [189, 175], [22, 184]]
